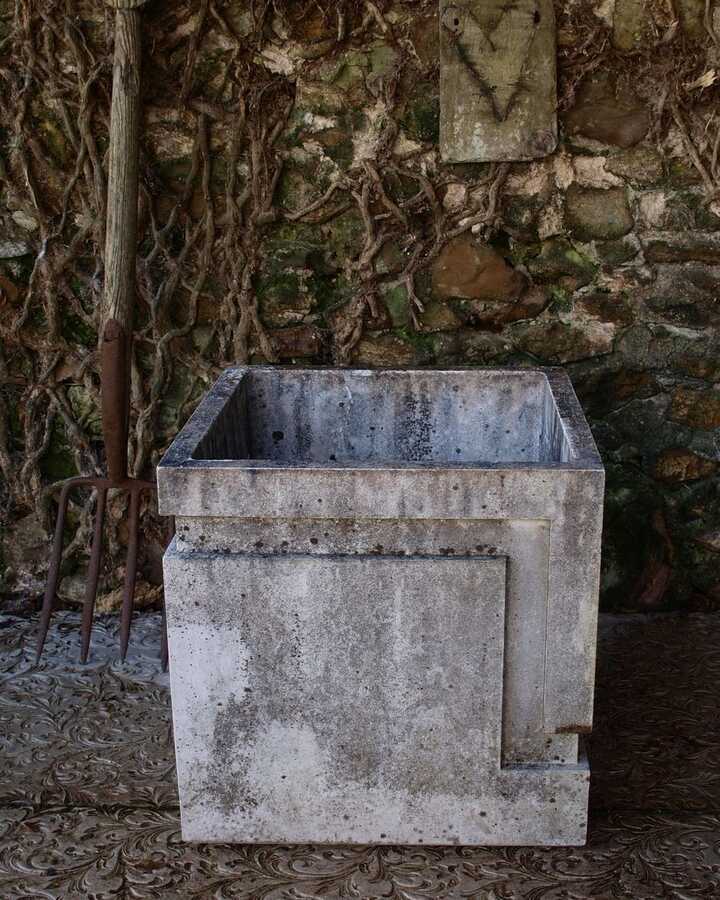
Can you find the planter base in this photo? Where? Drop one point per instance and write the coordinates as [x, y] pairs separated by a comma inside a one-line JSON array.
[[352, 699]]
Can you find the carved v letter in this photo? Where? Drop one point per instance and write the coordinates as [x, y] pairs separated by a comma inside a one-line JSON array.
[[495, 60]]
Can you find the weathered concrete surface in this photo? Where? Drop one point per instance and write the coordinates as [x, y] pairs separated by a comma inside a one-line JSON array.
[[497, 80], [383, 418], [338, 531], [524, 541]]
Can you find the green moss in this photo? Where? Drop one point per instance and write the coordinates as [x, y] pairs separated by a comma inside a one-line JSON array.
[[58, 462], [291, 232], [560, 301], [682, 173], [382, 59], [291, 246], [421, 121], [396, 300], [53, 137], [351, 71], [346, 234], [423, 343], [331, 290], [294, 133], [37, 317], [688, 209], [338, 145], [283, 285], [522, 252], [85, 410], [176, 395], [706, 219], [559, 258], [76, 331]]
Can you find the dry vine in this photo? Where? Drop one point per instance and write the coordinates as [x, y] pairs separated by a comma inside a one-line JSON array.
[[204, 234]]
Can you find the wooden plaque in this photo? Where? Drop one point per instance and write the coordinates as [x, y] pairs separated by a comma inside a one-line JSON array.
[[497, 80]]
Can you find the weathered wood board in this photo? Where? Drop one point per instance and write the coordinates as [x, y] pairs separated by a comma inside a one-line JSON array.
[[498, 93]]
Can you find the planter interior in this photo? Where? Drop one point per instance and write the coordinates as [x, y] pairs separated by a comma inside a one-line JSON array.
[[324, 416]]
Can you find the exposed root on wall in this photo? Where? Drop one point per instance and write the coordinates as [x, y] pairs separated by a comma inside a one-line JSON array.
[[221, 81]]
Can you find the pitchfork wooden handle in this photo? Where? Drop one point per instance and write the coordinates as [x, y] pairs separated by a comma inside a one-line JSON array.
[[115, 391], [121, 235]]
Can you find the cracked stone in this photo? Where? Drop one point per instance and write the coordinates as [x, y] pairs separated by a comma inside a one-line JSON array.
[[473, 271]]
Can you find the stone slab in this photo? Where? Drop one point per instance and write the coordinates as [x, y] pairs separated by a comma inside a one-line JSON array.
[[498, 94], [350, 699], [526, 545]]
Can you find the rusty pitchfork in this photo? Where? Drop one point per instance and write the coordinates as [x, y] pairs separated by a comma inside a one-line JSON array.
[[115, 352]]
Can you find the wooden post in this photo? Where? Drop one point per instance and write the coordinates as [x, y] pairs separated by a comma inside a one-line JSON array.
[[121, 234], [498, 93]]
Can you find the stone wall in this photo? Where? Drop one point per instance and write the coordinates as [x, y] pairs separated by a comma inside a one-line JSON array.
[[294, 209]]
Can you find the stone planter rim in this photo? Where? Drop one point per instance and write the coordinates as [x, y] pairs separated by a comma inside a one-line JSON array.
[[180, 454]]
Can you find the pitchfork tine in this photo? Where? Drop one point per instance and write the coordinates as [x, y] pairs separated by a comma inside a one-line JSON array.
[[54, 571], [93, 574], [130, 573]]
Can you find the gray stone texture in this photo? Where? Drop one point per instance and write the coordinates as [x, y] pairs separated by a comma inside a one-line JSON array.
[[381, 605], [597, 213]]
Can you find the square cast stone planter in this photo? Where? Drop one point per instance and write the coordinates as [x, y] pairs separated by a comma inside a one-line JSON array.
[[381, 606]]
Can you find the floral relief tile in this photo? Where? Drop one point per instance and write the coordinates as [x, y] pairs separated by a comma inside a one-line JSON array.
[[88, 802]]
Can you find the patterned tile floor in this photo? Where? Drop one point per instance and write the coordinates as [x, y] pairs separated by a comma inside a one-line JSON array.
[[88, 802]]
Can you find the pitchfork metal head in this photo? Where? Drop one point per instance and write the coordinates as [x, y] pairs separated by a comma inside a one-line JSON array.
[[115, 399], [132, 486]]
